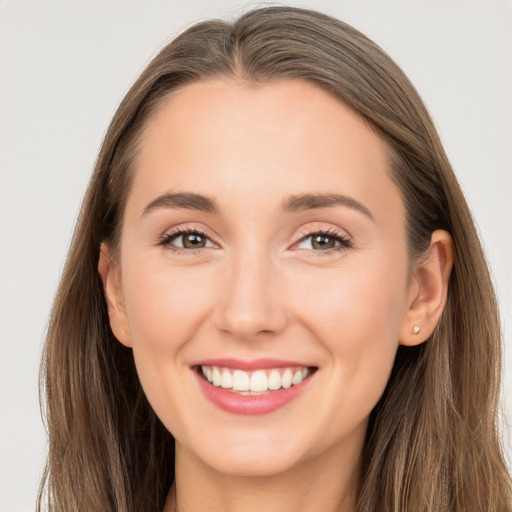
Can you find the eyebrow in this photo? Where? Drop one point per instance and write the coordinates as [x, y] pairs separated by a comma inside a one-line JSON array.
[[183, 200], [313, 201], [293, 204]]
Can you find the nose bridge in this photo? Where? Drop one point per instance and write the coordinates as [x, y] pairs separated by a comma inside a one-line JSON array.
[[251, 300]]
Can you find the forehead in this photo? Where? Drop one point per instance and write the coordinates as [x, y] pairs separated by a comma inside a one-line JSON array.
[[264, 141], [290, 110]]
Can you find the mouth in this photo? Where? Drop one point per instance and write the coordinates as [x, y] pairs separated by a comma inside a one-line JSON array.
[[257, 382], [252, 387]]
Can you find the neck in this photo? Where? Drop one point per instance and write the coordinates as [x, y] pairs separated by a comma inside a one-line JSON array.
[[328, 483]]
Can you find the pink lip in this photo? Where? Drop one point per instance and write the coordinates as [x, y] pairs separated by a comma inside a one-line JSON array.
[[246, 404], [255, 364]]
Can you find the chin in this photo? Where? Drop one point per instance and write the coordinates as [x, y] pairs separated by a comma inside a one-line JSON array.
[[254, 465], [251, 453]]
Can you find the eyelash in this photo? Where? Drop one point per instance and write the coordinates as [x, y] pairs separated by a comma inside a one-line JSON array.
[[342, 241], [168, 238]]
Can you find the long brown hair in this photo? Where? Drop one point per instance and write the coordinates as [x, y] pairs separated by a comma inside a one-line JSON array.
[[432, 442]]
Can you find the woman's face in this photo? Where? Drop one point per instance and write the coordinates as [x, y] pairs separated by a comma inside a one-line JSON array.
[[264, 246]]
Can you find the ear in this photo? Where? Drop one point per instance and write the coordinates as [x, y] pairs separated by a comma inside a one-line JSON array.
[[428, 290], [112, 289]]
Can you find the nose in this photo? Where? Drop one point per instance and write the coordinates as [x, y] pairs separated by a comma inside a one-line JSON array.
[[251, 302]]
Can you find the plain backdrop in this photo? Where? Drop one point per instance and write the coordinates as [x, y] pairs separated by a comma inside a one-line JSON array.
[[64, 67]]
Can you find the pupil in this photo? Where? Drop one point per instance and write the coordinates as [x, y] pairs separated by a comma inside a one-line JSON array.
[[194, 240], [322, 242]]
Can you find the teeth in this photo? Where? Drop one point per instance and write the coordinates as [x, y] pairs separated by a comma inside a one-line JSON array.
[[216, 376], [259, 381], [286, 379], [274, 380], [240, 381], [297, 377], [227, 379]]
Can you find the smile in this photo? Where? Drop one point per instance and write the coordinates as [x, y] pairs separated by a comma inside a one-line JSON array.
[[252, 388], [256, 382]]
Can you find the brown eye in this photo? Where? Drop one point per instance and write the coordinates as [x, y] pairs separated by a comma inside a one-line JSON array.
[[193, 240], [186, 240], [323, 242]]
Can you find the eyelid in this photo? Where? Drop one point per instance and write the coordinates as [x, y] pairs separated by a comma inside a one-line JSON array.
[[342, 237], [181, 230], [323, 230]]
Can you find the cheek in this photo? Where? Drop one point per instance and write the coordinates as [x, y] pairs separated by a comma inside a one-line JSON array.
[[164, 305], [356, 314], [165, 308], [356, 306]]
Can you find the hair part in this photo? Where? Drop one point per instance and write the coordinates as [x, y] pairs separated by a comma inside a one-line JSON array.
[[432, 443]]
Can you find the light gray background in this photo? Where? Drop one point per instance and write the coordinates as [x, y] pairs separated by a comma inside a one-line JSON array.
[[64, 67]]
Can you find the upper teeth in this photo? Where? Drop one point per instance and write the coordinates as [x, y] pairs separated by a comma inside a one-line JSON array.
[[257, 381]]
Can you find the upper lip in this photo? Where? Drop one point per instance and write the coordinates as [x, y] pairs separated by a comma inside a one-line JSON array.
[[249, 365]]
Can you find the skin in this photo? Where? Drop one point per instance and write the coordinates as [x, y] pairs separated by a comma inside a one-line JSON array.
[[259, 288]]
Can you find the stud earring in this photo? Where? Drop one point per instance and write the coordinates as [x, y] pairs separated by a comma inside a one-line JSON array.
[[416, 329]]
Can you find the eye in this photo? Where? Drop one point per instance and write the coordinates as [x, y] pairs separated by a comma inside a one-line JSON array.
[[186, 239], [325, 241]]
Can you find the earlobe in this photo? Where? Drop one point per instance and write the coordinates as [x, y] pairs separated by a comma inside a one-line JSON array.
[[428, 290], [113, 293]]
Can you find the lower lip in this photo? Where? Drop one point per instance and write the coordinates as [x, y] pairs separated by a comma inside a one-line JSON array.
[[247, 404]]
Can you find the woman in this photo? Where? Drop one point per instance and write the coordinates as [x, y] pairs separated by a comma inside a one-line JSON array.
[[275, 297]]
